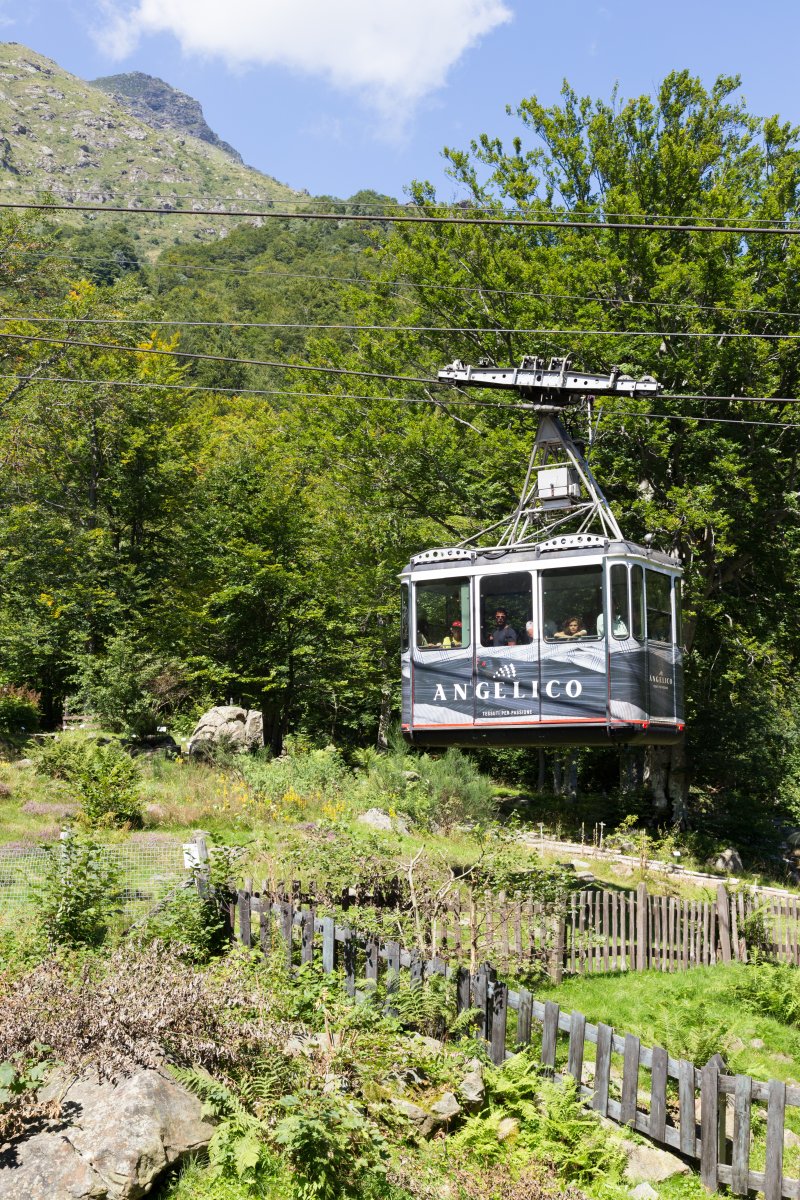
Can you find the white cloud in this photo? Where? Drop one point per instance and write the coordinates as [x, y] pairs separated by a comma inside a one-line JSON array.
[[392, 53]]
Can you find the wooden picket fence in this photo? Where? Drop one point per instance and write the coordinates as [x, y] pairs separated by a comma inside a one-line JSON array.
[[599, 929], [619, 1078]]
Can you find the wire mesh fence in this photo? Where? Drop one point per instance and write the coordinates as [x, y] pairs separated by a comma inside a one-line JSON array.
[[147, 870]]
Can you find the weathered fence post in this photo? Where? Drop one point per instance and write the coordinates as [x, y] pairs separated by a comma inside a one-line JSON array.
[[328, 945], [549, 1035], [243, 902], [724, 922], [498, 1000], [641, 927], [558, 935]]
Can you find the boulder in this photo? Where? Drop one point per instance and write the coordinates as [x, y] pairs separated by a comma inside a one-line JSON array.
[[376, 818], [728, 861], [446, 1107], [227, 726], [424, 1122], [111, 1142], [651, 1165], [472, 1091]]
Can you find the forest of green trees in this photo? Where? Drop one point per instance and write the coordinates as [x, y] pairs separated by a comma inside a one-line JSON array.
[[200, 530]]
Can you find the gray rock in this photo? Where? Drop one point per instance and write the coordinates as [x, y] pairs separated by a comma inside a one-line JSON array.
[[757, 1043], [472, 1091], [650, 1164], [424, 1122], [431, 1045], [791, 1139], [446, 1107], [376, 818], [644, 1192], [112, 1141], [728, 861], [227, 725]]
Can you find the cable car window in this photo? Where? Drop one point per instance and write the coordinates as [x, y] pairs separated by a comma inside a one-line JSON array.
[[659, 607], [403, 617], [572, 600], [620, 612], [637, 601], [443, 615], [507, 609]]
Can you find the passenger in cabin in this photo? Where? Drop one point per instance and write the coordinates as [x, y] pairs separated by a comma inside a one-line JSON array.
[[503, 634], [618, 626], [529, 630], [571, 629], [453, 640], [422, 633]]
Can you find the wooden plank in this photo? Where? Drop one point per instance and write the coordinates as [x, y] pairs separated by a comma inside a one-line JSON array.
[[524, 1014], [371, 966], [658, 1094], [684, 935], [581, 932], [577, 1031], [597, 929], [709, 1119], [518, 924], [708, 952], [572, 931], [641, 928], [549, 1033], [499, 1019], [602, 1068], [631, 933], [264, 920], [630, 1080], [686, 1096], [724, 922], [480, 997], [606, 931], [243, 905], [740, 1161], [503, 910], [328, 945], [349, 956], [773, 1168], [307, 936], [557, 957], [663, 918]]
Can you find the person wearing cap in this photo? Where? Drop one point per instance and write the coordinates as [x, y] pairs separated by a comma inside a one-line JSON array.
[[453, 640]]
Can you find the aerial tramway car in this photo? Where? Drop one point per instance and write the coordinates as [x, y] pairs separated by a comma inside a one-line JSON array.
[[548, 628]]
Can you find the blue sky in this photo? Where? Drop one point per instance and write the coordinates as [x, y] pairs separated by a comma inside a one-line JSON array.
[[338, 95]]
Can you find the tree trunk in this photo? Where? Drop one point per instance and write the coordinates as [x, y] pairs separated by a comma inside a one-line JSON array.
[[384, 718], [666, 778]]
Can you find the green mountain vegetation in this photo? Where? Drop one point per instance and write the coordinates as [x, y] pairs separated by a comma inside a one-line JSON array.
[[248, 536], [73, 141]]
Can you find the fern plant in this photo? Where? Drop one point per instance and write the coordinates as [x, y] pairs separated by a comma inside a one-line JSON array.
[[238, 1145]]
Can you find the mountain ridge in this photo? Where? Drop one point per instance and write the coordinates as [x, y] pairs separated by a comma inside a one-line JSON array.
[[69, 139], [162, 106]]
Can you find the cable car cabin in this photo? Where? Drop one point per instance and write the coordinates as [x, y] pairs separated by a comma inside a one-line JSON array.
[[574, 641]]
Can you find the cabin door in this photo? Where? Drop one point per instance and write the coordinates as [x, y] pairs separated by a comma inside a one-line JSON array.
[[506, 651]]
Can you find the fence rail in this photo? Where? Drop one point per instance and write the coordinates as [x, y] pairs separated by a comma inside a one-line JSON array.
[[598, 929], [607, 1067]]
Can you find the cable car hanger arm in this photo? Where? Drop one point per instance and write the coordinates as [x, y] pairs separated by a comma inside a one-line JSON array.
[[557, 383]]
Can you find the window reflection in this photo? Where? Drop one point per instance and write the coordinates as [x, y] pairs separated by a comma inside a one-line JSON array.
[[659, 607], [507, 609], [572, 601], [443, 615]]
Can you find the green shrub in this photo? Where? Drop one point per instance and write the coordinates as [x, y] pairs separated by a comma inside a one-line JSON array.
[[129, 688], [107, 787], [189, 922], [307, 773], [61, 756], [444, 791], [772, 989], [19, 709], [77, 894]]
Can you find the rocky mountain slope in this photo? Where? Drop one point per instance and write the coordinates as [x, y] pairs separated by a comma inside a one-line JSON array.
[[161, 106], [63, 136]]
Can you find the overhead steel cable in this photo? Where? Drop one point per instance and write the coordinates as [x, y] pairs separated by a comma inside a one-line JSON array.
[[222, 358], [352, 328], [642, 226], [517, 406]]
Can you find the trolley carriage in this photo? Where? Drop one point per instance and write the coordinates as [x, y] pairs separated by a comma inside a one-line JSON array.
[[613, 675]]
